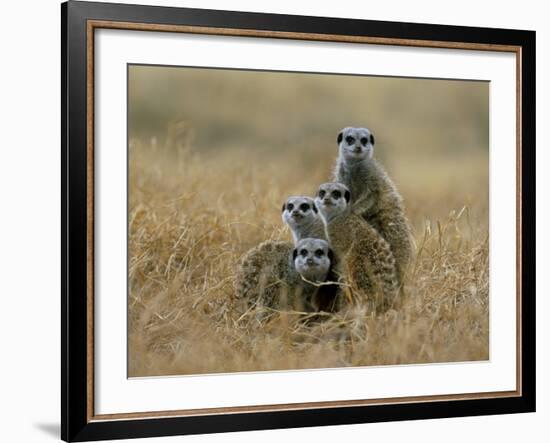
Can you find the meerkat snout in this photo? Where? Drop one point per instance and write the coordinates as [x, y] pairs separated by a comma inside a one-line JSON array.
[[312, 259], [332, 199], [302, 217], [355, 144], [297, 209]]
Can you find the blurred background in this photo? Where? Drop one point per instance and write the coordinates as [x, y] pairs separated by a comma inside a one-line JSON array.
[[431, 135]]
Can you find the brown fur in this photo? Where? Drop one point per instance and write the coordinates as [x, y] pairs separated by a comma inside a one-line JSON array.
[[267, 280], [376, 199], [366, 260]]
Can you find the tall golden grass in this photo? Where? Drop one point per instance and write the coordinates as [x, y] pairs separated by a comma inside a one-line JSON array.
[[197, 204]]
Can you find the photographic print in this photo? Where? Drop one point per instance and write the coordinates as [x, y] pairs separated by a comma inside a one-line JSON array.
[[274, 221], [300, 220]]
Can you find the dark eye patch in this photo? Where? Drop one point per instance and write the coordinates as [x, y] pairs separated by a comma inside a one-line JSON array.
[[304, 207], [322, 193], [336, 194], [350, 140], [364, 141], [303, 252], [290, 207], [319, 252]]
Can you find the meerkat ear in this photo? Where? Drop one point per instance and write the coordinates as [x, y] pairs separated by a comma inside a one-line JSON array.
[[340, 137], [315, 208], [347, 196], [372, 139], [284, 205], [294, 254], [330, 255]]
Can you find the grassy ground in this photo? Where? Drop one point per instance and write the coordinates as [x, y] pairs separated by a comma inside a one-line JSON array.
[[200, 198]]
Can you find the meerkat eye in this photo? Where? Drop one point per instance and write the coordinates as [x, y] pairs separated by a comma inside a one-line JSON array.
[[364, 141], [350, 140], [322, 193], [290, 207], [336, 194], [304, 207], [319, 252], [303, 252]]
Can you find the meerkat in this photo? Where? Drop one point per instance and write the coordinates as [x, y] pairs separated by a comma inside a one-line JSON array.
[[278, 275], [303, 219], [263, 273], [365, 257], [315, 263], [375, 196]]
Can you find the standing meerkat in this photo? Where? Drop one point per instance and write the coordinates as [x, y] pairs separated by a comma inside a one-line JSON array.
[[365, 257], [375, 197], [302, 216], [278, 275]]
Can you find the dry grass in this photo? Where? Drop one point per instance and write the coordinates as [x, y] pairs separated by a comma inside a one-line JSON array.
[[189, 224], [210, 187]]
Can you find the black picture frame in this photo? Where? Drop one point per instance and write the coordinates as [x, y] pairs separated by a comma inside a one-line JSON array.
[[76, 422]]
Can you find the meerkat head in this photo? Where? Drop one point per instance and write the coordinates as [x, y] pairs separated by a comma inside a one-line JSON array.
[[355, 144], [299, 211], [312, 259], [332, 199]]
